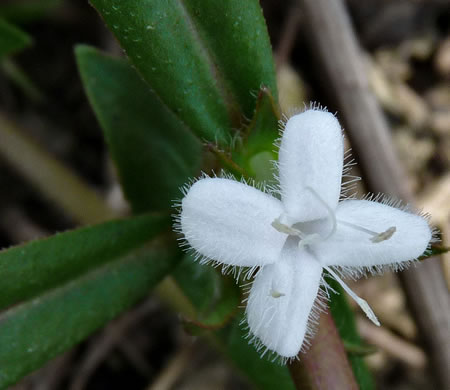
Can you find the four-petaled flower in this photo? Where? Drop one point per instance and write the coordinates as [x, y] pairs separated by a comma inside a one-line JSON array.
[[291, 240]]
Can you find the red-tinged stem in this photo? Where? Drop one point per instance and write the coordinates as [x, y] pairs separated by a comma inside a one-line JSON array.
[[325, 366]]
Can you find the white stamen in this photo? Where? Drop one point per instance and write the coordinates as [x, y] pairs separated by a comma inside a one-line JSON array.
[[305, 239], [361, 302], [376, 237]]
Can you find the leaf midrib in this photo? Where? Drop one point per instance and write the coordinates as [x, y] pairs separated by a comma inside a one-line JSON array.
[[225, 91]]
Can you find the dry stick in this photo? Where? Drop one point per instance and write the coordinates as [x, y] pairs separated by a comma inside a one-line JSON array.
[[19, 227], [52, 375], [435, 200], [172, 372], [101, 346], [288, 35], [395, 346], [334, 42]]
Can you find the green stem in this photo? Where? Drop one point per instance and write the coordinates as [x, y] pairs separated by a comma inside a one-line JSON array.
[[21, 79], [169, 292], [55, 181], [227, 162]]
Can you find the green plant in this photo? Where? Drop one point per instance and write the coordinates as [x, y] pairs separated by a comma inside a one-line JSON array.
[[196, 92]]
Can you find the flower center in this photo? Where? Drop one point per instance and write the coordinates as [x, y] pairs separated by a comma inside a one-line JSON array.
[[309, 233], [306, 238]]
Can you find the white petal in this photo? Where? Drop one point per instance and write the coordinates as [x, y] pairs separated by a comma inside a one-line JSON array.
[[230, 222], [281, 300], [352, 247], [311, 155]]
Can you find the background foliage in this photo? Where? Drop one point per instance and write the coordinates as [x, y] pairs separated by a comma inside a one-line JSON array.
[[196, 91]]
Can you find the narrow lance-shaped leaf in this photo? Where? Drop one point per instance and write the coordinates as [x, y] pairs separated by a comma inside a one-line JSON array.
[[203, 59], [12, 39], [36, 331], [155, 153], [28, 270]]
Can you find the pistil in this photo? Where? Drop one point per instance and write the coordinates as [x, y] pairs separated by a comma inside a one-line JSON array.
[[329, 210], [361, 302]]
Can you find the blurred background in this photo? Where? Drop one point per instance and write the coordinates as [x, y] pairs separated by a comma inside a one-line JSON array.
[[406, 56]]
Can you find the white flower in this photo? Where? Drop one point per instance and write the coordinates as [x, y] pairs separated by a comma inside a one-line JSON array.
[[293, 239]]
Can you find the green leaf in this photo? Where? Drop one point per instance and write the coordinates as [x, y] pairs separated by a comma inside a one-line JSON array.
[[203, 59], [236, 35], [12, 39], [30, 269], [22, 81], [154, 152], [38, 330], [345, 322], [215, 297]]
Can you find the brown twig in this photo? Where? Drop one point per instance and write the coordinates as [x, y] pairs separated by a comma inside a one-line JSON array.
[[436, 202], [174, 369], [105, 342], [392, 344], [288, 35], [134, 355], [49, 377], [19, 227], [334, 42]]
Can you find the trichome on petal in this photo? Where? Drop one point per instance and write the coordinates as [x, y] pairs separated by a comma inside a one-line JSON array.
[[292, 236]]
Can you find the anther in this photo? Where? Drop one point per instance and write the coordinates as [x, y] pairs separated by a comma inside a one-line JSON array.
[[276, 294], [385, 235], [376, 237], [282, 228], [305, 239]]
